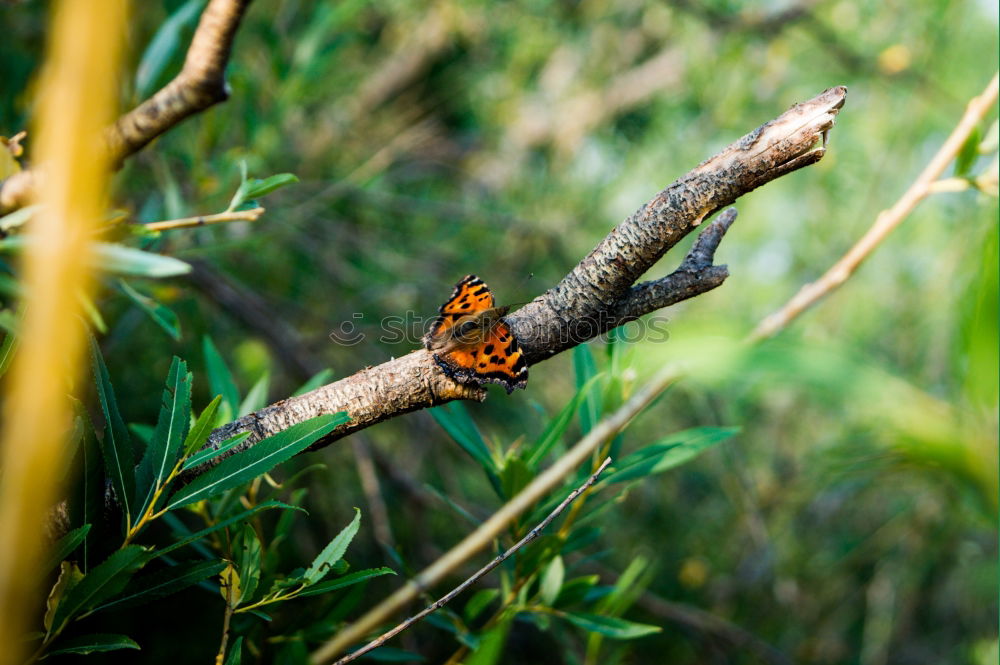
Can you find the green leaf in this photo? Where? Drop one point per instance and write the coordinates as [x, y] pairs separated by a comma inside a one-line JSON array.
[[333, 552], [7, 351], [124, 260], [455, 420], [320, 378], [164, 47], [558, 425], [260, 458], [171, 429], [198, 535], [267, 185], [220, 379], [479, 601], [346, 581], [585, 370], [206, 454], [668, 453], [235, 652], [160, 313], [256, 188], [198, 435], [552, 581], [101, 583], [613, 627], [143, 589], [576, 590], [968, 153], [257, 397], [95, 643], [515, 476], [65, 546], [116, 448], [491, 645], [248, 561]]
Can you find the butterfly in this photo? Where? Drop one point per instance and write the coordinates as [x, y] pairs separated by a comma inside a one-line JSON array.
[[471, 342]]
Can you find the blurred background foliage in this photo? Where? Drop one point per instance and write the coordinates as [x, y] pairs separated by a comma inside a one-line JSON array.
[[853, 519]]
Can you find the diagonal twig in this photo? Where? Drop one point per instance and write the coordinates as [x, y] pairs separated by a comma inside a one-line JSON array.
[[479, 574], [884, 224]]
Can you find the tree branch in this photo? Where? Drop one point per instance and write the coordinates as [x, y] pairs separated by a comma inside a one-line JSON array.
[[596, 296], [200, 84]]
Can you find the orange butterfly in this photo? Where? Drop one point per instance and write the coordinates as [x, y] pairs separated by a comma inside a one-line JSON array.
[[472, 343]]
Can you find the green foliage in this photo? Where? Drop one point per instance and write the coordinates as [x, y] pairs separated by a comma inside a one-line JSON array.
[[867, 447]]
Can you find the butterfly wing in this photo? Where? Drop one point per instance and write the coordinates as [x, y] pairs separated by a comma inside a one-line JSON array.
[[469, 296], [498, 359]]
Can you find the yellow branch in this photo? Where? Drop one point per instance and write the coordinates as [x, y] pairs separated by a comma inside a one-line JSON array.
[[203, 220], [76, 101]]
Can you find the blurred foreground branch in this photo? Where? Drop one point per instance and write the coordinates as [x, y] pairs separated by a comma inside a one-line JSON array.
[[597, 295], [200, 84]]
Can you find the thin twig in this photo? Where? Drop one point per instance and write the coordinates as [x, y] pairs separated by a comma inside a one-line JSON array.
[[203, 220], [479, 574], [491, 528], [884, 224]]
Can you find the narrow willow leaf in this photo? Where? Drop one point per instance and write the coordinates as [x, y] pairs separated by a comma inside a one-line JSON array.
[[346, 581], [208, 453], [145, 588], [245, 515], [585, 370], [558, 425], [164, 46], [198, 435], [220, 379], [101, 583], [95, 643], [613, 627], [479, 601], [261, 458], [93, 314], [552, 581], [968, 153], [491, 645], [257, 397], [116, 448], [229, 585], [248, 562], [668, 453], [333, 552], [320, 378], [124, 260], [235, 655], [455, 420], [171, 429], [65, 546], [69, 576], [267, 185], [162, 315]]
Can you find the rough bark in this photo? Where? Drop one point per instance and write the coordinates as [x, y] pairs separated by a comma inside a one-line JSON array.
[[598, 294]]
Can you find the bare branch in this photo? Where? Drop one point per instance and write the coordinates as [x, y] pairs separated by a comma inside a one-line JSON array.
[[886, 221], [200, 84], [596, 295], [478, 575], [203, 220]]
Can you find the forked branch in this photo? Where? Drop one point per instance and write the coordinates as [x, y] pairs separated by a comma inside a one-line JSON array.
[[597, 295]]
